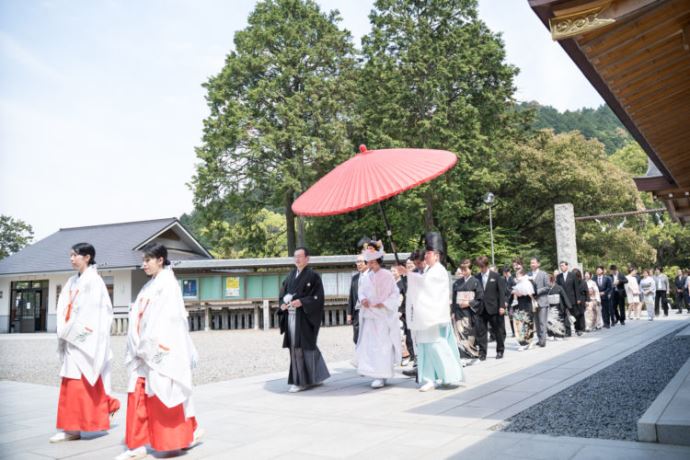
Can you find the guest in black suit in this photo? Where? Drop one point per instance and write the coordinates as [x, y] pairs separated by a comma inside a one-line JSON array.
[[353, 298], [679, 297], [618, 295], [492, 309], [605, 288], [509, 283], [581, 292], [570, 285]]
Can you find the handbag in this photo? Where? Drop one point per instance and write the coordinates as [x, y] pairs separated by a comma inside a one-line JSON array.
[[535, 305]]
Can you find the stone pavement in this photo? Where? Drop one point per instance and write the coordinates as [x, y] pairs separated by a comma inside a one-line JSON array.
[[256, 418]]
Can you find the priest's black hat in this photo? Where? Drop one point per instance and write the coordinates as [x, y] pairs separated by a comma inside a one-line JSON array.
[[433, 242]]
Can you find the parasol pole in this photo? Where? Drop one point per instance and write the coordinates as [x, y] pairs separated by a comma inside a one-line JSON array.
[[389, 233]]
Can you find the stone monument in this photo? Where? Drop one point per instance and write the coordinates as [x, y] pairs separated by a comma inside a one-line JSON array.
[[566, 244]]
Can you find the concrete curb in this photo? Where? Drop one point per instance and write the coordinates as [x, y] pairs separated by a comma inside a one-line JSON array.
[[652, 427]]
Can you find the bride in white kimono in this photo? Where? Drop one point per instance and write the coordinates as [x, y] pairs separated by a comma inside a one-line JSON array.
[[379, 345], [84, 317], [160, 358]]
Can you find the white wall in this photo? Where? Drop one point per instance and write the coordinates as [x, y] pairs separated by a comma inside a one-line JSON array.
[[122, 293], [122, 289]]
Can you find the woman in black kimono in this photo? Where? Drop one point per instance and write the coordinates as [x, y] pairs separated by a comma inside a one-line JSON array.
[[466, 301], [558, 310]]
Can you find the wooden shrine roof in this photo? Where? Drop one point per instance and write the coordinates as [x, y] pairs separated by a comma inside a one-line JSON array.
[[636, 53]]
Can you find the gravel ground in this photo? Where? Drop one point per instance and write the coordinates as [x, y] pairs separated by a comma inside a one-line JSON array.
[[224, 355], [607, 404]]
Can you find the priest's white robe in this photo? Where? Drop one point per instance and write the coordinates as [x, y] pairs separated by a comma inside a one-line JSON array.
[[428, 317]]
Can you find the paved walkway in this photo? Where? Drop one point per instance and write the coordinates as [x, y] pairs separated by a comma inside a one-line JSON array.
[[256, 418]]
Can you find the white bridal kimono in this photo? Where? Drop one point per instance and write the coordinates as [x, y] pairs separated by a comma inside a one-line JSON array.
[[379, 345], [159, 347], [84, 317]]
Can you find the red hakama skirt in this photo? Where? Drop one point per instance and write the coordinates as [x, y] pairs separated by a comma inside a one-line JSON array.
[[83, 407], [149, 421]]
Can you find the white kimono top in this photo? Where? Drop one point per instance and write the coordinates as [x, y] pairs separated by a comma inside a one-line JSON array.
[[428, 298], [84, 317], [159, 347]]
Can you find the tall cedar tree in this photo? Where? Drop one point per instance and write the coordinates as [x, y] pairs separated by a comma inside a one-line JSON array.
[[280, 111], [434, 76]]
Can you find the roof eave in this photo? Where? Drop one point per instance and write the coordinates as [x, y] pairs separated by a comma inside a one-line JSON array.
[[542, 8]]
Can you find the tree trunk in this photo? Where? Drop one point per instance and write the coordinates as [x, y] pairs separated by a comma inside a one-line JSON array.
[[290, 223], [429, 211], [300, 232]]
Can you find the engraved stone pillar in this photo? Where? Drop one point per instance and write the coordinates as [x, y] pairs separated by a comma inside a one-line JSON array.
[[566, 244]]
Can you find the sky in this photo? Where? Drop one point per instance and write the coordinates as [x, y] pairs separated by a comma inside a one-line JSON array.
[[101, 103]]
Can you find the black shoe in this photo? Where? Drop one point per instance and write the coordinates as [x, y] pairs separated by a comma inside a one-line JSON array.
[[614, 323], [607, 326], [622, 323], [482, 358], [542, 344], [579, 333], [410, 372], [499, 355]]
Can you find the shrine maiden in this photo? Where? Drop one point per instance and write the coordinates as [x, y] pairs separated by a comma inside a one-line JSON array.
[[84, 317], [160, 358]]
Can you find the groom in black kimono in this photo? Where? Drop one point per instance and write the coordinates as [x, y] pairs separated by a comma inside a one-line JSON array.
[[301, 310]]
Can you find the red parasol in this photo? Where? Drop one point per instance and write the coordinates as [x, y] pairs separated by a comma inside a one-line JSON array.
[[370, 177]]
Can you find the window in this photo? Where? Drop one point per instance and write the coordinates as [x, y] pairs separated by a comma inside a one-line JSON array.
[[190, 288]]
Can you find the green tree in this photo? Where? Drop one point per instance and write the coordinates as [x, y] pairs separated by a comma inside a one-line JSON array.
[[434, 76], [608, 245], [280, 114], [14, 235], [559, 168], [671, 240], [600, 123], [631, 159], [262, 236]]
